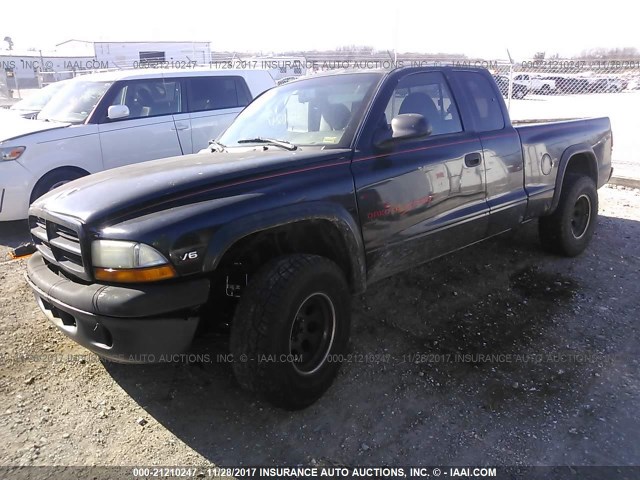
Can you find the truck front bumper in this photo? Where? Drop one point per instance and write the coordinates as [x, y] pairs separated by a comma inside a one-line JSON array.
[[130, 324]]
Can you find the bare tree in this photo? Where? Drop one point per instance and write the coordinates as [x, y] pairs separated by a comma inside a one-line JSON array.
[[9, 42], [611, 53]]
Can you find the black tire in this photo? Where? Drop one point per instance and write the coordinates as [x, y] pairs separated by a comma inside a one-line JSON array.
[[518, 93], [266, 327], [570, 228], [53, 180]]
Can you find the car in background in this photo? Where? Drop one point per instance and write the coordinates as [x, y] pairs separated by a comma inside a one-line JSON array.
[[518, 90], [568, 85], [535, 83], [30, 106], [633, 83], [604, 84], [107, 120]]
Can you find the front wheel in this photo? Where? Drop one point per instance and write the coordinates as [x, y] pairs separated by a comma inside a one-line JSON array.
[[290, 329], [570, 228]]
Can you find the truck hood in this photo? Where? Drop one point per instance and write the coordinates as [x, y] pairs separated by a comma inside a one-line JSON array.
[[135, 190], [13, 126]]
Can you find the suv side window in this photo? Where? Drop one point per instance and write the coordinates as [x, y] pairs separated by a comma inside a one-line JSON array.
[[428, 95], [484, 101], [150, 98], [215, 93]]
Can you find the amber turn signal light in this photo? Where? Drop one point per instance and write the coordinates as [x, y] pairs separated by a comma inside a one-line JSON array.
[[134, 275]]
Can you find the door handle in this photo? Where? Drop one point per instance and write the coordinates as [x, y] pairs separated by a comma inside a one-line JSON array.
[[181, 126], [472, 159]]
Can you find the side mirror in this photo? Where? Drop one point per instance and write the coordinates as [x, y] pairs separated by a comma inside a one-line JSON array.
[[404, 127], [410, 125], [117, 111]]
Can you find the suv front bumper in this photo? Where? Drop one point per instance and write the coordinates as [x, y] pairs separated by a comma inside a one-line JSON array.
[[131, 324]]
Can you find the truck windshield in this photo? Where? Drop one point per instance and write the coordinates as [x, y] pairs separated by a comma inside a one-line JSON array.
[[322, 111], [74, 102]]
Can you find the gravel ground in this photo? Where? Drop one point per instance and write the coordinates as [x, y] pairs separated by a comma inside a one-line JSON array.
[[497, 355]]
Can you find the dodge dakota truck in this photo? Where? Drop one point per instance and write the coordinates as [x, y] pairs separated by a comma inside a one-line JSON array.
[[320, 187]]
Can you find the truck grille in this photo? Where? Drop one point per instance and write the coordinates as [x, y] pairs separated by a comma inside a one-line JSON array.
[[59, 244]]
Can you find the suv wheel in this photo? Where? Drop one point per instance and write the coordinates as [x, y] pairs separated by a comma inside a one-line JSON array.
[[569, 229], [54, 179], [290, 328]]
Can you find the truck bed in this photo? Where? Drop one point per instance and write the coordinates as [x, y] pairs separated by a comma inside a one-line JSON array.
[[587, 136]]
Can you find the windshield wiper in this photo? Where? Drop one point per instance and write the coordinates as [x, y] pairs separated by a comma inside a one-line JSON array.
[[217, 146], [271, 141]]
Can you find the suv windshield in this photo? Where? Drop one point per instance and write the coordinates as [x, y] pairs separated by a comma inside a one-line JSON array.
[[321, 111], [74, 102]]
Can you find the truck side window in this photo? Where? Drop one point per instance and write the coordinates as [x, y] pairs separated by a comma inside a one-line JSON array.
[[214, 93], [428, 95], [485, 103]]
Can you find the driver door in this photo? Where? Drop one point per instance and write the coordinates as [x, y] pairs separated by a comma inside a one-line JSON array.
[[419, 198]]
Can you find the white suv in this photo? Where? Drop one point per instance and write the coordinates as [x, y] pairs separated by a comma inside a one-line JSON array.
[[107, 120]]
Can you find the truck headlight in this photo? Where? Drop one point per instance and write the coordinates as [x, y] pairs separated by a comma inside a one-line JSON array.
[[11, 153], [128, 262]]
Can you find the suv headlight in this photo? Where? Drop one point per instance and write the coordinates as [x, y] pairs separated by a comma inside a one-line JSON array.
[[11, 153], [128, 262]]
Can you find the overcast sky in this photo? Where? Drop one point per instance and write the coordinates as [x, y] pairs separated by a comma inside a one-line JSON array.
[[483, 28]]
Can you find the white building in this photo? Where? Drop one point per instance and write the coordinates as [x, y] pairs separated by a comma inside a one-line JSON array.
[[24, 69], [142, 54]]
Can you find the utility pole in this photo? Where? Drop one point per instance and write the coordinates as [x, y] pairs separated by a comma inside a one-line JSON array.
[[41, 77], [510, 92]]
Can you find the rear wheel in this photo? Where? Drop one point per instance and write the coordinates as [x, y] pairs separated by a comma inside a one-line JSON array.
[[519, 93], [290, 328], [54, 179], [570, 228]]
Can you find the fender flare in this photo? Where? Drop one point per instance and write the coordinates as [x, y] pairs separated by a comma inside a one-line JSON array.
[[567, 155], [345, 223]]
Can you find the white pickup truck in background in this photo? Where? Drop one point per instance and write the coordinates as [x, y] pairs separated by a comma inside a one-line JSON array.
[[535, 83], [111, 119]]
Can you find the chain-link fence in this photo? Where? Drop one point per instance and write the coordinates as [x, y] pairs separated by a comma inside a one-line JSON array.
[[559, 89], [534, 90], [567, 77]]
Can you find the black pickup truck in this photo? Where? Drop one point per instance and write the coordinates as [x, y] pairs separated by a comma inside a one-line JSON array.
[[320, 187]]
